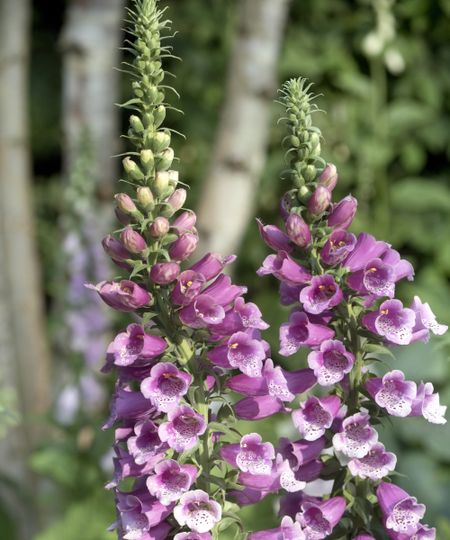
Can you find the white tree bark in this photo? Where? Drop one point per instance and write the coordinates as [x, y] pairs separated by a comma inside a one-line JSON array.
[[238, 158], [24, 352]]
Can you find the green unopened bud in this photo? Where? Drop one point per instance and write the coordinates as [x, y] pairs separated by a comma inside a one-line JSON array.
[[161, 183], [147, 160], [303, 194], [136, 124], [145, 198], [160, 141], [164, 160], [132, 169], [309, 173], [159, 115], [148, 119], [173, 177], [152, 93]]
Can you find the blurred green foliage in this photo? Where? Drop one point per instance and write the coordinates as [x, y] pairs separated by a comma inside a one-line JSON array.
[[383, 70]]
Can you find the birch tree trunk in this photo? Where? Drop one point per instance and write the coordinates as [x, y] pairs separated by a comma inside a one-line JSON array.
[[24, 352], [238, 158]]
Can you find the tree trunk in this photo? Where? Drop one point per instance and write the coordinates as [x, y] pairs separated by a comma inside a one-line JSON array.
[[239, 154], [25, 357]]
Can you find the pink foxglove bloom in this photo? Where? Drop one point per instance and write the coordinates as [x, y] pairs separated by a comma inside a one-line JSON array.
[[376, 464], [298, 230], [322, 295], [285, 269], [356, 437], [315, 416], [165, 272], [301, 331], [183, 428], [342, 213], [197, 511], [340, 244], [133, 345], [274, 237], [165, 386], [288, 530], [124, 295], [425, 321], [331, 362], [170, 480], [392, 321], [426, 404], [318, 519], [393, 393]]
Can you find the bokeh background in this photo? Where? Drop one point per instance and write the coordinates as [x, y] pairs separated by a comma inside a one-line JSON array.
[[382, 68]]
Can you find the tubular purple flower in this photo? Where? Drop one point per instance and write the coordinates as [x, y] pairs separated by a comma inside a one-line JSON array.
[[426, 404], [331, 363], [185, 222], [164, 273], [135, 344], [301, 332], [285, 269], [392, 321], [376, 464], [165, 386], [393, 393], [133, 241], [115, 249], [319, 519], [425, 321], [288, 530], [197, 511], [124, 295], [342, 213], [182, 429], [188, 287], [298, 231], [338, 246], [322, 295], [320, 200], [258, 407], [177, 199], [183, 247], [274, 237], [402, 513], [145, 444], [366, 248], [356, 437], [315, 416], [170, 480], [211, 265], [328, 177]]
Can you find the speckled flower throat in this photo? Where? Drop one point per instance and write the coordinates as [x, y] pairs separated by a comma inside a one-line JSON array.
[[183, 468]]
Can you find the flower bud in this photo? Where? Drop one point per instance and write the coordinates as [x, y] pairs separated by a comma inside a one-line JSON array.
[[165, 272], [329, 177], [132, 169], [159, 227], [182, 248], [145, 198], [177, 199], [303, 194], [136, 124], [298, 231], [121, 217], [147, 160], [342, 213], [287, 202], [114, 248], [173, 177], [133, 241], [161, 183], [125, 204], [160, 141], [185, 222], [164, 160], [159, 115], [319, 201]]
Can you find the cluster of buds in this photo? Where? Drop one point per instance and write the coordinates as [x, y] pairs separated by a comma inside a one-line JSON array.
[[182, 467], [341, 289]]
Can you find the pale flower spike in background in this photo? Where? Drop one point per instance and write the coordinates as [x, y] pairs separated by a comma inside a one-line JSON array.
[[183, 469]]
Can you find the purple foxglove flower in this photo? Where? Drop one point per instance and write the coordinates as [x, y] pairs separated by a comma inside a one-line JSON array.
[[192, 536], [159, 227], [301, 332], [328, 177], [145, 444], [133, 241], [164, 273], [124, 295], [322, 295], [423, 533], [242, 352], [425, 321], [254, 456], [274, 237], [129, 405], [289, 530], [320, 200], [356, 437], [300, 452], [376, 464], [183, 428], [223, 291], [285, 269], [165, 386], [135, 344], [392, 321], [393, 393], [338, 246], [187, 288], [177, 199], [342, 213], [211, 265], [170, 480], [287, 477], [401, 512], [366, 249], [249, 314], [185, 222], [183, 247], [427, 404], [319, 519], [258, 407], [197, 511], [115, 249], [331, 362], [202, 312], [315, 416], [298, 231]]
